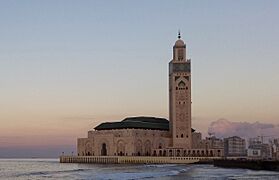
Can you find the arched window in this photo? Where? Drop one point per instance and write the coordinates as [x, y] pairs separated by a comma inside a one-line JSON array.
[[154, 153], [139, 148], [178, 153], [147, 148], [170, 152], [121, 148], [104, 149], [181, 85]]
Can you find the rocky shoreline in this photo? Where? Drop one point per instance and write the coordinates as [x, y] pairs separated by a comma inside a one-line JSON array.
[[270, 165]]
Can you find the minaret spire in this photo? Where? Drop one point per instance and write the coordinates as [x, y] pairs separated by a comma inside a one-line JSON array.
[[179, 36]]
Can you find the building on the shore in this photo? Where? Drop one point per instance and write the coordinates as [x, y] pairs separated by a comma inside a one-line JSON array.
[[262, 151], [254, 153], [234, 146], [151, 136], [276, 142], [214, 142], [207, 143], [258, 149], [277, 155], [254, 148], [276, 148], [255, 141]]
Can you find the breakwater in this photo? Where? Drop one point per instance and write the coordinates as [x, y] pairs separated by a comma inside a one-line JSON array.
[[134, 159], [247, 164]]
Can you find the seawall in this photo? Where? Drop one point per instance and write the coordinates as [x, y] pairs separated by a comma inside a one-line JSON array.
[[248, 164], [134, 159]]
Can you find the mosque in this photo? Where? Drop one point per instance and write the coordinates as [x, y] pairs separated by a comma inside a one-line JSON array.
[[153, 136]]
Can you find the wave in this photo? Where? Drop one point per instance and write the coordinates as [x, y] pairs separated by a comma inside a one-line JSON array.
[[135, 175], [160, 165], [110, 172], [125, 172], [45, 173], [145, 172]]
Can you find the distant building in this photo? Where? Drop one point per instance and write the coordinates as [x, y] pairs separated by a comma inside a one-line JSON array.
[[207, 143], [258, 149], [255, 141], [234, 146], [263, 151], [197, 140], [276, 148], [213, 142], [277, 155], [276, 142], [151, 136], [254, 153]]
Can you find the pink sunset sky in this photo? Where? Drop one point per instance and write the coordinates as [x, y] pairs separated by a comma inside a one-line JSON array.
[[66, 66]]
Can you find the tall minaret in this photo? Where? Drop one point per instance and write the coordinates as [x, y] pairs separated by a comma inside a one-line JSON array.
[[180, 96]]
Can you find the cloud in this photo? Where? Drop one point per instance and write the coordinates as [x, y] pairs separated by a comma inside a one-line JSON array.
[[224, 128]]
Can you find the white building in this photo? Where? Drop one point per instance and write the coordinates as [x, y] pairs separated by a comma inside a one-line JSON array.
[[254, 153], [234, 146], [258, 149]]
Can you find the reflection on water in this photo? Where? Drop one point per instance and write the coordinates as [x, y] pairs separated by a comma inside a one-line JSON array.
[[52, 169]]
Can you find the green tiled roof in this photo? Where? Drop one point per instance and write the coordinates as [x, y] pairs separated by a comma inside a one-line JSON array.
[[141, 122], [136, 123]]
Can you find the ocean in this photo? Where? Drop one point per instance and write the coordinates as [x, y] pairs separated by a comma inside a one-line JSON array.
[[52, 169]]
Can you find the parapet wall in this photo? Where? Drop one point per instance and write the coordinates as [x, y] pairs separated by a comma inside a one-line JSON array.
[[134, 159]]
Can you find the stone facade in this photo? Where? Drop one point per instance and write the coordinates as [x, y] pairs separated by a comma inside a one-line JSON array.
[[149, 136], [137, 142], [128, 142]]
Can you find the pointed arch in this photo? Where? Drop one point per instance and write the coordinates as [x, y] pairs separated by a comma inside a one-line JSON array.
[[138, 147], [161, 144], [121, 148], [104, 147], [147, 148], [181, 84], [88, 148]]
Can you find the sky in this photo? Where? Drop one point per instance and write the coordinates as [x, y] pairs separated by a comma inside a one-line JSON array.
[[66, 66]]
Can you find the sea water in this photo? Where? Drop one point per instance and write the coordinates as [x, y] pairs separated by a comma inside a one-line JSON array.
[[52, 169]]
